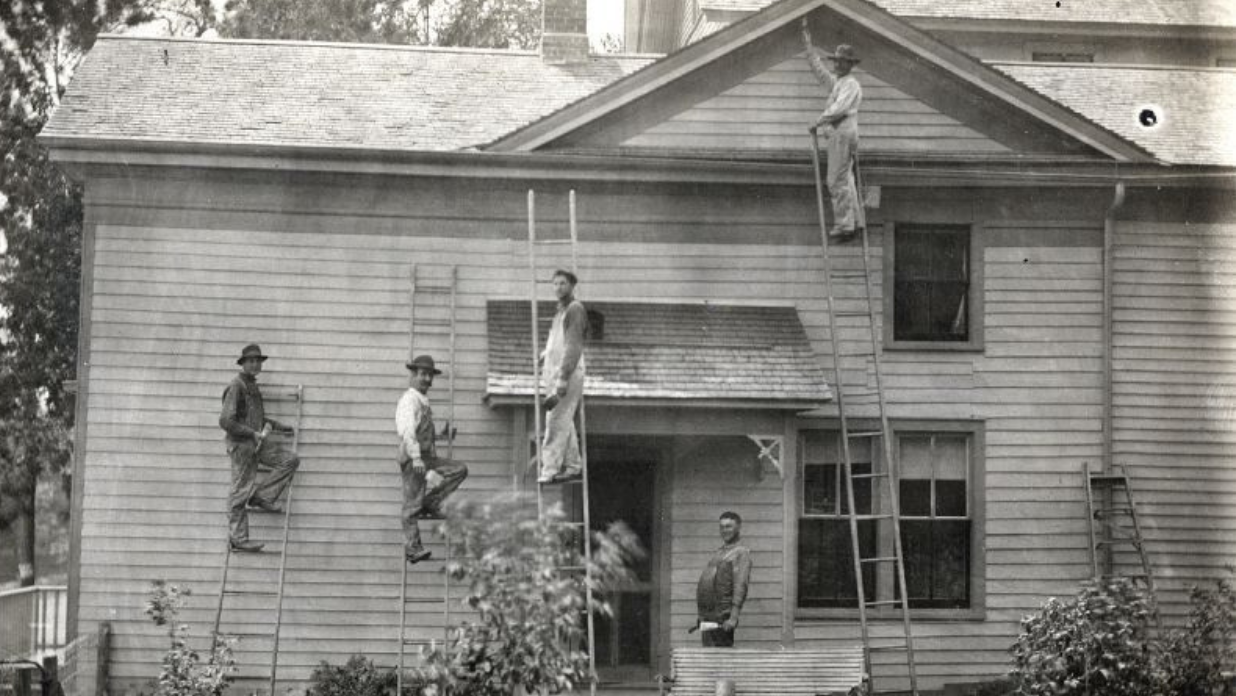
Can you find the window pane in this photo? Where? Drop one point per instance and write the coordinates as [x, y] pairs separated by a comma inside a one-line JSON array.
[[911, 310], [915, 497], [931, 283], [937, 563], [951, 498], [949, 256], [820, 489], [914, 456], [916, 547], [949, 318], [825, 564], [862, 492], [952, 456]]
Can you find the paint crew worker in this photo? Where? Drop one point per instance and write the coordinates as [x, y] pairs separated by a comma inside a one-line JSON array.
[[838, 124], [564, 383], [423, 494], [248, 444], [722, 589]]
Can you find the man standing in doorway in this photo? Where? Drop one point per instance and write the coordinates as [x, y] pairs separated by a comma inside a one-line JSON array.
[[564, 380], [244, 420], [722, 589], [418, 455], [838, 124]]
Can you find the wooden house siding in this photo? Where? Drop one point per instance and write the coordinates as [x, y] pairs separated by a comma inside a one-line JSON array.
[[1174, 389], [317, 272], [767, 112]]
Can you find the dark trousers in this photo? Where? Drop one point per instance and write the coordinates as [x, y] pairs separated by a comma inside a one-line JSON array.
[[246, 457], [416, 498], [719, 638]]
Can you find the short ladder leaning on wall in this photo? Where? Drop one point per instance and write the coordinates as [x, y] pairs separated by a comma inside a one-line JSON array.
[[1113, 523], [433, 302], [583, 525], [885, 434], [275, 394]]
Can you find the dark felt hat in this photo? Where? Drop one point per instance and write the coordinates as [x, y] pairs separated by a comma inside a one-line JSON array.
[[252, 350], [423, 362], [844, 52]]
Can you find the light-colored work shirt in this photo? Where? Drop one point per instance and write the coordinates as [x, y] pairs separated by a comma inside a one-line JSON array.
[[414, 423]]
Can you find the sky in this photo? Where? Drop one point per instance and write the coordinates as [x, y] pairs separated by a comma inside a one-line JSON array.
[[604, 17]]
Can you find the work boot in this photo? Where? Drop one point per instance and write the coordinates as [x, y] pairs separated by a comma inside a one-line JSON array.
[[841, 236], [246, 546], [417, 555]]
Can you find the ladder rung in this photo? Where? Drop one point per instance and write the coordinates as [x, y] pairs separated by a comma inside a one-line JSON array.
[[878, 559], [866, 433], [251, 593], [1126, 540], [421, 641], [877, 474], [432, 322], [424, 600], [885, 516], [884, 602], [443, 289], [1135, 576], [248, 635], [1113, 511], [1107, 480], [887, 648], [554, 241], [848, 274]]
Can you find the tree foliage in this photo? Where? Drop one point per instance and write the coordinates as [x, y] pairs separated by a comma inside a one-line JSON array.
[[528, 597]]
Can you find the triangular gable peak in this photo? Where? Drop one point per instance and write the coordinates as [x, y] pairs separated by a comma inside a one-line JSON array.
[[748, 89]]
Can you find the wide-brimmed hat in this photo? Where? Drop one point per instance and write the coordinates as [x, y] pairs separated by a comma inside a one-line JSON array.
[[423, 362], [844, 52], [252, 350]]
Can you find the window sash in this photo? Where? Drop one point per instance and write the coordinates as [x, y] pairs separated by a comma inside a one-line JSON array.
[[932, 283]]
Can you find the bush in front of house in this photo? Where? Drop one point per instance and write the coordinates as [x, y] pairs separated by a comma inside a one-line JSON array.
[[1100, 644], [529, 604], [358, 677], [1097, 643], [186, 671], [1194, 659]]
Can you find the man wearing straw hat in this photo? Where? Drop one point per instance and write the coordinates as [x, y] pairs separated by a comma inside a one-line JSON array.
[[244, 420], [423, 493], [838, 124]]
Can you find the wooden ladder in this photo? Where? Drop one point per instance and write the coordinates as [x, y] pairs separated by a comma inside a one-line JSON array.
[[433, 296], [888, 477], [583, 525], [1114, 523], [270, 394]]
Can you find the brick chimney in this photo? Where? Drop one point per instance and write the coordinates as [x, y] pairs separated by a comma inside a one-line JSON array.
[[564, 31]]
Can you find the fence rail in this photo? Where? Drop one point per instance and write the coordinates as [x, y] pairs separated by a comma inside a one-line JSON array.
[[33, 621]]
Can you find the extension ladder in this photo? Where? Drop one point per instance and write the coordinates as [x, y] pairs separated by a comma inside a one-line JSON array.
[[1114, 523], [888, 476], [433, 297], [270, 394], [584, 525]]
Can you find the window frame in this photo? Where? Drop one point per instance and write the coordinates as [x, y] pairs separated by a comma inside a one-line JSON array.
[[974, 296], [885, 582]]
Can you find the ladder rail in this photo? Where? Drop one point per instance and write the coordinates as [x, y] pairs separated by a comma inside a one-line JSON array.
[[283, 556], [536, 348], [1090, 519], [840, 396]]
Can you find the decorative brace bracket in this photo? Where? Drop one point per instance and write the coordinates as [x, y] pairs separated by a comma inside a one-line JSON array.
[[770, 450]]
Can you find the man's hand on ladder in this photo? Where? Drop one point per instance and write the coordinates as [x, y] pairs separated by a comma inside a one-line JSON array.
[[448, 432]]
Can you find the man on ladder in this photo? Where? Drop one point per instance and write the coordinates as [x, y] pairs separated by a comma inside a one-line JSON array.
[[839, 126], [564, 380], [244, 420], [418, 456]]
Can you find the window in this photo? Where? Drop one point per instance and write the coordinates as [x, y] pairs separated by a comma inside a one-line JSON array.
[[939, 485], [1061, 57], [1225, 62], [935, 295]]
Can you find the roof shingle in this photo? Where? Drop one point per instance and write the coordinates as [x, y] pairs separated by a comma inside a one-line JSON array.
[[670, 351], [1194, 106], [316, 94]]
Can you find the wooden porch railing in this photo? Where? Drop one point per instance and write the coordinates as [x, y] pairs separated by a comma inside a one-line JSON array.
[[33, 621]]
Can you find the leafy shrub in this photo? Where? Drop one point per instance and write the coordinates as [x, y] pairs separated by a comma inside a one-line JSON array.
[[184, 672], [1096, 644], [358, 677], [529, 604], [1195, 658]]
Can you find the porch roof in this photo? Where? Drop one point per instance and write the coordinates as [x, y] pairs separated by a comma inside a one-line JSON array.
[[679, 353]]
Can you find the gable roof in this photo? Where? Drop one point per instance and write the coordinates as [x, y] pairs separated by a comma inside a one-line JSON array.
[[1192, 13], [678, 352], [317, 94], [956, 68], [1193, 106]]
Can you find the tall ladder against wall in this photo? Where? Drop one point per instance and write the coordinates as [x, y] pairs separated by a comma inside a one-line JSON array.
[[429, 299], [1113, 523], [584, 525], [275, 394], [888, 491]]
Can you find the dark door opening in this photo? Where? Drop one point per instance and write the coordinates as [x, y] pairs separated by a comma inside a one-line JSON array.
[[621, 483]]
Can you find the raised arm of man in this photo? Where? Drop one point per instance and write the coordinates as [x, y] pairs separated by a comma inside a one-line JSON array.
[[815, 59]]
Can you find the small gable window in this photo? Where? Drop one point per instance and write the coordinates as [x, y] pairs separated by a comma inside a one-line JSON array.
[[932, 287]]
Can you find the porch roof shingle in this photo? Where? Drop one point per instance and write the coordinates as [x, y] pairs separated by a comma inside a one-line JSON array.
[[317, 94], [680, 352]]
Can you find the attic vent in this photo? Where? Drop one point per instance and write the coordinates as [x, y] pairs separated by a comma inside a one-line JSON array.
[[596, 326]]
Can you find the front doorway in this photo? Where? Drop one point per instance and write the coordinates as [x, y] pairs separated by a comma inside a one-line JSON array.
[[622, 482]]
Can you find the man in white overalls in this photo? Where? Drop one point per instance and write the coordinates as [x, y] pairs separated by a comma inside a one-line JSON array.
[[564, 384]]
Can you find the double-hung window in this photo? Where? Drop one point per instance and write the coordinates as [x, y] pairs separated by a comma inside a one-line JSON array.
[[933, 283], [939, 486]]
